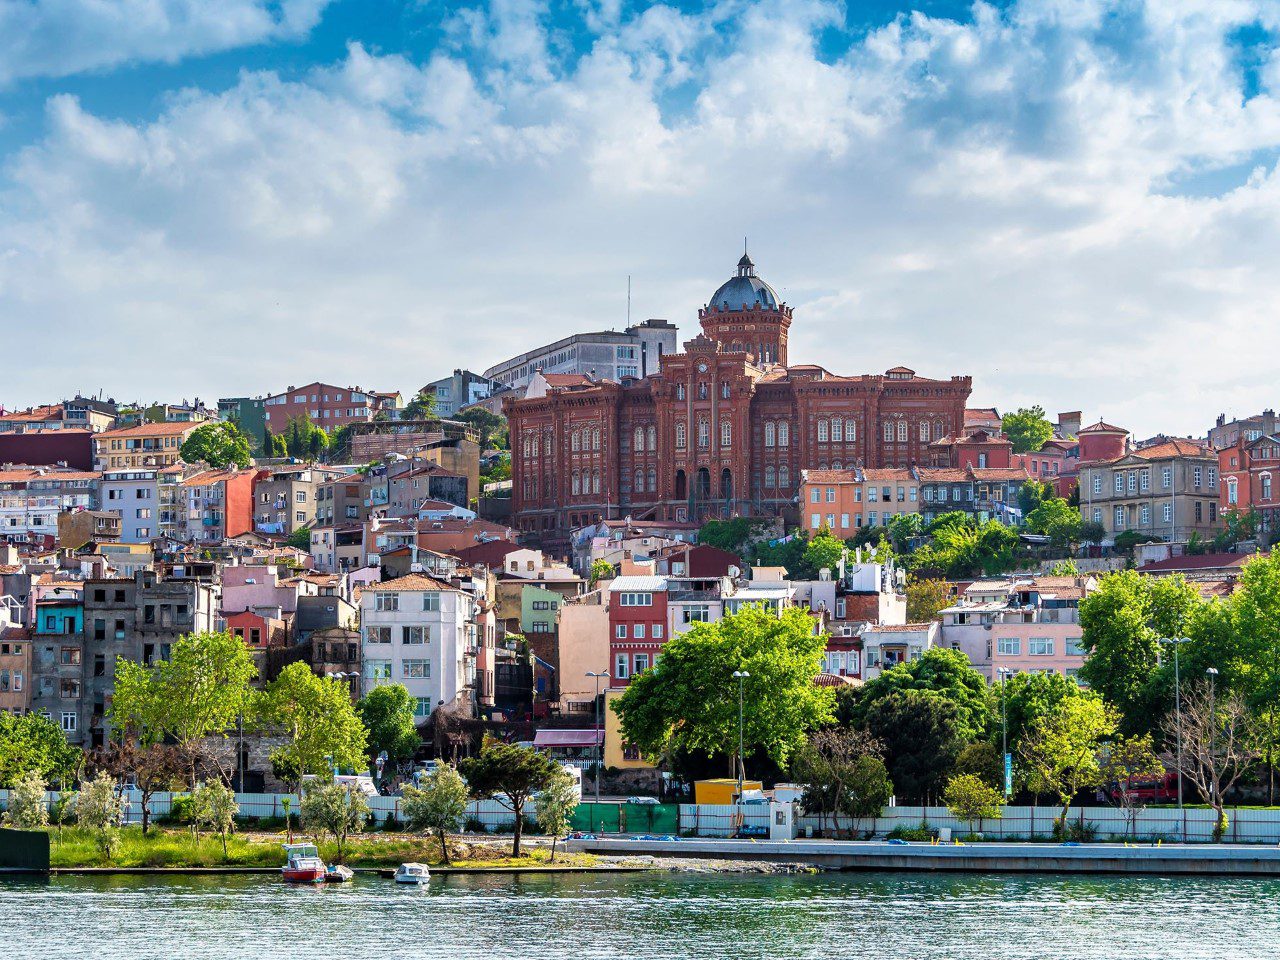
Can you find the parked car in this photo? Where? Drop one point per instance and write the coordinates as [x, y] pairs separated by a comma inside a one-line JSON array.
[[643, 801]]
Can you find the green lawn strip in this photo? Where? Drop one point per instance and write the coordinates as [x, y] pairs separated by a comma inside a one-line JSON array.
[[177, 847]]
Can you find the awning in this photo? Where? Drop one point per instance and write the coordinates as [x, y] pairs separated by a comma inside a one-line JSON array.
[[568, 738]]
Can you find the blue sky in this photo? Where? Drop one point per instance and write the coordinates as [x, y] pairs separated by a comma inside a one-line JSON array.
[[1074, 201]]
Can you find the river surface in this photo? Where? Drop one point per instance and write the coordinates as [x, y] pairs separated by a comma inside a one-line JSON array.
[[662, 916]]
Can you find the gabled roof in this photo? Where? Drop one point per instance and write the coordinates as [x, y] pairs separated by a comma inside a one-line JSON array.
[[943, 475], [999, 473], [43, 414], [1204, 561], [638, 584], [568, 380], [831, 476], [1101, 427], [148, 430], [414, 581], [1173, 448]]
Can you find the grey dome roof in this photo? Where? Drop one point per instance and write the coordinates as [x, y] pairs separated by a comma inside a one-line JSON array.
[[744, 289]]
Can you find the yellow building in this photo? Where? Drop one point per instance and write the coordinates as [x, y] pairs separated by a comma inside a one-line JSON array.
[[146, 445], [616, 753]]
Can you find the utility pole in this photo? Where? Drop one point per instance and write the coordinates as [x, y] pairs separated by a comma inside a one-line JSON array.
[[741, 676], [1004, 735], [1176, 642], [603, 674]]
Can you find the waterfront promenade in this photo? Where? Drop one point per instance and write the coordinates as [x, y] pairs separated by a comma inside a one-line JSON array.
[[1162, 859]]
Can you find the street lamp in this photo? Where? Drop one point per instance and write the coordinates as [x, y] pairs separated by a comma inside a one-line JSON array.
[[1004, 673], [602, 675], [1176, 642], [741, 676]]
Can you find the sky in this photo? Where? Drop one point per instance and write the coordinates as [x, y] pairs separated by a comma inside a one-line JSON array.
[[1076, 202]]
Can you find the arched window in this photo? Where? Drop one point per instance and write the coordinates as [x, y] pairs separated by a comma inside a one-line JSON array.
[[724, 390], [639, 481], [1233, 493], [850, 431], [704, 433], [726, 433], [653, 480], [822, 431], [595, 481], [546, 444], [837, 430], [784, 476], [769, 433], [653, 437], [681, 435], [770, 478], [1266, 486], [902, 431], [574, 441], [528, 448], [702, 390], [679, 391], [784, 433], [888, 431], [577, 483], [595, 439], [836, 465], [939, 431], [639, 438]]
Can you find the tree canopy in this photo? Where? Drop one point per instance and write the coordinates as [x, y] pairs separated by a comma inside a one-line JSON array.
[[317, 716], [387, 714], [1062, 751], [689, 702], [950, 675], [32, 744], [922, 737], [512, 772], [217, 444], [1057, 520], [1027, 428]]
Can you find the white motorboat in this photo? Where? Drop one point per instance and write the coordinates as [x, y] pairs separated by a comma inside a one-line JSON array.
[[415, 873]]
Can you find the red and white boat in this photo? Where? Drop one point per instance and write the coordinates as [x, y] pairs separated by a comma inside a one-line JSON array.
[[302, 864]]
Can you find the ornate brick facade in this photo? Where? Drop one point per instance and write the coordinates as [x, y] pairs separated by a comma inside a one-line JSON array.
[[723, 429]]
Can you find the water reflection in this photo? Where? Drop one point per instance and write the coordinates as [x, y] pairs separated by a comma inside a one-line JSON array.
[[654, 915]]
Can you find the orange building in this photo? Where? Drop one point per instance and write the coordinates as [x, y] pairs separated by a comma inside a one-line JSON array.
[[842, 501], [219, 503]]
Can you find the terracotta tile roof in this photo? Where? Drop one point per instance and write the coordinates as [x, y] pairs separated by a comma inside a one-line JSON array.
[[33, 414], [831, 476], [981, 413], [901, 370], [568, 380], [205, 478], [414, 581], [147, 430], [1204, 561], [1102, 427], [1000, 473], [880, 474], [982, 437], [1173, 448], [50, 473], [943, 475]]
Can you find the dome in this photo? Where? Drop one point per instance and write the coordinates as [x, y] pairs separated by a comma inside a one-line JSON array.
[[745, 290]]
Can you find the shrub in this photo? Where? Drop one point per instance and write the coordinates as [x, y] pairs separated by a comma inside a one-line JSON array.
[[922, 832], [28, 809], [182, 810], [474, 824]]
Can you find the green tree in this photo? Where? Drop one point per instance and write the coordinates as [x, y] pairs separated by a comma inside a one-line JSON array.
[[823, 550], [438, 805], [1056, 520], [601, 570], [921, 734], [1091, 531], [34, 744], [1062, 750], [1027, 428], [492, 426], [334, 809], [200, 691], [1254, 636], [732, 535], [1127, 762], [28, 805], [926, 597], [421, 407], [213, 805], [1237, 525], [691, 702], [965, 550], [218, 444], [1027, 697], [316, 714], [950, 675], [971, 799], [903, 528], [387, 714], [1065, 568], [300, 539], [98, 807], [512, 772], [843, 775], [1121, 623], [554, 806], [1032, 493], [982, 760]]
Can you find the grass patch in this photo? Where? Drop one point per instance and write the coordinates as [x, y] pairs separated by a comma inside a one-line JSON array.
[[166, 847]]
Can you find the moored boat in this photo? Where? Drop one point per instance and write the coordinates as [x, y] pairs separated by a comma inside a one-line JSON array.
[[302, 864], [412, 873], [338, 873]]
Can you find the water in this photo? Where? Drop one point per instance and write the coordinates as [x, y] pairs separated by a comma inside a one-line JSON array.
[[653, 915]]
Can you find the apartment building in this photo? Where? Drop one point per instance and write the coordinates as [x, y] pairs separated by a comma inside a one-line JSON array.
[[15, 665], [986, 493], [141, 446], [285, 496], [842, 501], [1249, 471], [326, 405], [1169, 490], [219, 504], [422, 633], [31, 498], [608, 355], [454, 392], [134, 495], [57, 656]]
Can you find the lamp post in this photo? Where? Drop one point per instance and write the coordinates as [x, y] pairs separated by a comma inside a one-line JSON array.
[[741, 676], [1176, 642], [603, 674], [1004, 673]]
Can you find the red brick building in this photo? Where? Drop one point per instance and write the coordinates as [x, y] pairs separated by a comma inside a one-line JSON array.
[[1250, 471], [327, 405], [723, 429]]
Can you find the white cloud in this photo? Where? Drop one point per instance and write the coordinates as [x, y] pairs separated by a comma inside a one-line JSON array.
[[995, 197], [55, 38]]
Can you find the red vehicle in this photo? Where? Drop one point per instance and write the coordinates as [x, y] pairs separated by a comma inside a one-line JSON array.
[[303, 864], [1158, 789]]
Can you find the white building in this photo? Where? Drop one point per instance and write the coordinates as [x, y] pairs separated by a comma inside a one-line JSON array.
[[134, 494], [32, 497], [419, 632], [604, 355]]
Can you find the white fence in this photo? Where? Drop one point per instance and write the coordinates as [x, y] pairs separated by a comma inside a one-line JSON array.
[[495, 815], [1151, 823]]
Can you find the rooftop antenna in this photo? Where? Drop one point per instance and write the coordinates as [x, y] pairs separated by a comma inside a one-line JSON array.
[[628, 299]]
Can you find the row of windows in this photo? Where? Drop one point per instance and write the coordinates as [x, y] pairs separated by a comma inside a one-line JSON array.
[[635, 599], [638, 631], [628, 665], [873, 494], [1038, 646], [874, 519], [391, 601], [409, 669]]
